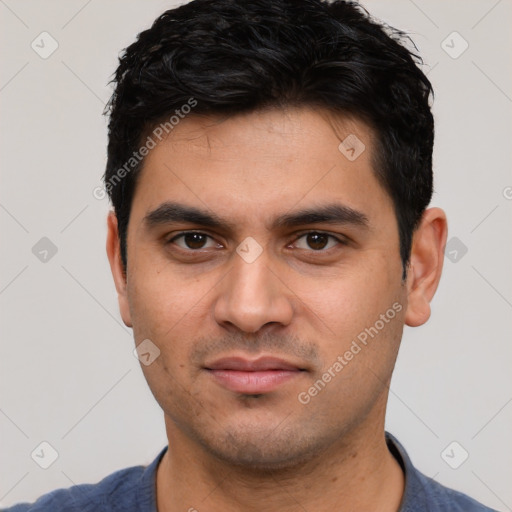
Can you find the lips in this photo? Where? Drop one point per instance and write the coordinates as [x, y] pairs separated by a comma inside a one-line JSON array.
[[252, 376]]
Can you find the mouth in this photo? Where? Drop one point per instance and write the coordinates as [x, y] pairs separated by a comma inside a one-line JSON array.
[[252, 377]]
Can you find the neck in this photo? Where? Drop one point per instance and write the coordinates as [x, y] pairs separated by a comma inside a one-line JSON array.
[[359, 473]]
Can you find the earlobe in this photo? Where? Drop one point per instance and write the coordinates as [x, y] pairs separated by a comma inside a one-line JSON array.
[[116, 266], [426, 264]]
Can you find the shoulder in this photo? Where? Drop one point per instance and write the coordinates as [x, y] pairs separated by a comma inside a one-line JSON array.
[[130, 488], [444, 499], [86, 497], [423, 494]]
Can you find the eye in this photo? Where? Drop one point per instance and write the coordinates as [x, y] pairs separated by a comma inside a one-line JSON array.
[[193, 240], [317, 241]]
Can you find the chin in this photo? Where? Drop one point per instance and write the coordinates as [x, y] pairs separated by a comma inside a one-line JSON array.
[[264, 450]]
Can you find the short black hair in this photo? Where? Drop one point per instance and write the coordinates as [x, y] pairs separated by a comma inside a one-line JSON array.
[[225, 57]]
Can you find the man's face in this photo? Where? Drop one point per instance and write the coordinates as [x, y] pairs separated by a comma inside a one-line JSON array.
[[247, 336]]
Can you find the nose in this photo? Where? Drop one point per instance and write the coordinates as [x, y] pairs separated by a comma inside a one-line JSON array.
[[252, 296]]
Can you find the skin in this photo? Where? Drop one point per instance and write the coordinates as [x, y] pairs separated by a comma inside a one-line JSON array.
[[303, 303]]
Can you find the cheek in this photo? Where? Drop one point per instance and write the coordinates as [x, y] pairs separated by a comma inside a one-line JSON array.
[[354, 330], [347, 304], [165, 307]]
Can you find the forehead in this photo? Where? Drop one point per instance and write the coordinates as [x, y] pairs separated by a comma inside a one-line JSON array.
[[262, 163]]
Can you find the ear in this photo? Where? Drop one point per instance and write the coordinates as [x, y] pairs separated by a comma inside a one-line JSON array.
[[426, 265], [116, 266]]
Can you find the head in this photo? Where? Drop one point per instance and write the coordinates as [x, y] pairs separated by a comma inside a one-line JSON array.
[[270, 166]]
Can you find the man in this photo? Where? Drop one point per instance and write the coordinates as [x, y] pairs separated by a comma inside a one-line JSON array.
[[270, 168]]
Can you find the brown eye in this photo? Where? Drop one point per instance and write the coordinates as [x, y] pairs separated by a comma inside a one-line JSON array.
[[192, 241], [317, 241]]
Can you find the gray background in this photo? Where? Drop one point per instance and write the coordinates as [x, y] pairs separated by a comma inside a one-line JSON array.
[[68, 374]]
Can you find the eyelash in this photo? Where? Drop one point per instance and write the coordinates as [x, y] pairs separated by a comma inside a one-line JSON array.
[[340, 241]]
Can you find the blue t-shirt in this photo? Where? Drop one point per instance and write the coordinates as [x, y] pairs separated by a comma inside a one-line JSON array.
[[134, 489]]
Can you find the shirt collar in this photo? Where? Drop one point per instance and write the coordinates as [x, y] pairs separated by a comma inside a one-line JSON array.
[[415, 491], [416, 488]]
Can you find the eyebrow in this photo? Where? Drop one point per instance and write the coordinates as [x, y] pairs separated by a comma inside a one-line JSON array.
[[334, 213]]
